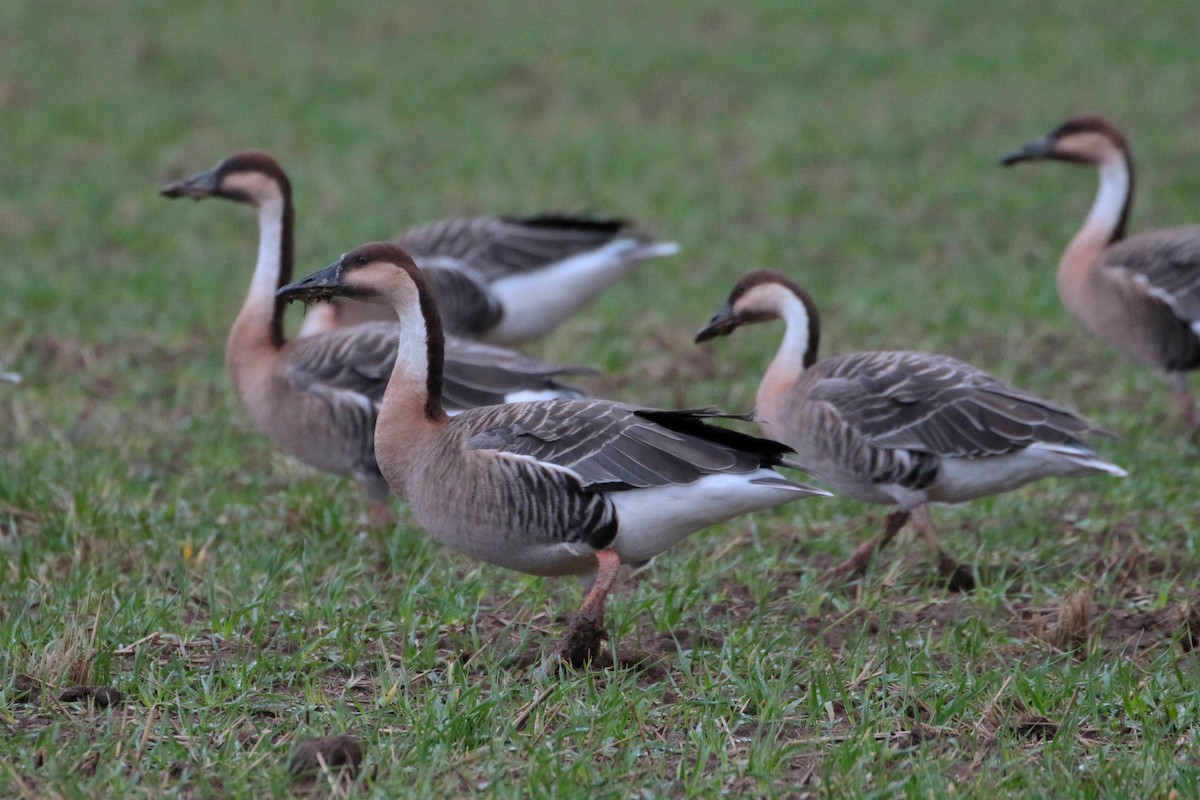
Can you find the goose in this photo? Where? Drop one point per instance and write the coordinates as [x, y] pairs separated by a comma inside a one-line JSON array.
[[504, 280], [898, 427], [553, 487], [317, 396], [507, 280], [1140, 294]]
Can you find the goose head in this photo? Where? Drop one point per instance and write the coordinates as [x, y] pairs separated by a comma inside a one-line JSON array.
[[766, 295], [1080, 140], [252, 177], [379, 272], [761, 296]]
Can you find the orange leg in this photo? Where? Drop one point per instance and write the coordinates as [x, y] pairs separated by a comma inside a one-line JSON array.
[[857, 562], [606, 576], [958, 577], [580, 643]]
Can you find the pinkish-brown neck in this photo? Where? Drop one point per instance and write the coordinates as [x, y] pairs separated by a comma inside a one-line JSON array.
[[1105, 224]]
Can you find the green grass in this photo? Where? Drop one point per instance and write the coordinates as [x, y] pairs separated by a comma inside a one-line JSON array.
[[154, 542]]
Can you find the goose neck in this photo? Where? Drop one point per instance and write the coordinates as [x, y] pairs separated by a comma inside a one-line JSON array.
[[794, 355]]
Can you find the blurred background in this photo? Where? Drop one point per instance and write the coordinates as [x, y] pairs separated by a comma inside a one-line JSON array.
[[853, 147]]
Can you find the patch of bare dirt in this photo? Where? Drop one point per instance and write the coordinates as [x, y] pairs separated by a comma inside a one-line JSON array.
[[325, 753], [98, 696], [25, 689], [1079, 623], [326, 766]]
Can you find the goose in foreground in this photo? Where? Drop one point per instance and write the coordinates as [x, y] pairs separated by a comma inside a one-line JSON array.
[[558, 487], [317, 396], [898, 427], [1140, 294]]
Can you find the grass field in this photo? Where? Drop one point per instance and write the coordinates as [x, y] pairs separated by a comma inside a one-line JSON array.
[[154, 543]]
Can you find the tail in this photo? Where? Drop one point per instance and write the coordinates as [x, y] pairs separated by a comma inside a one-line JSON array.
[[1100, 465], [1083, 457], [692, 421], [647, 250], [800, 488]]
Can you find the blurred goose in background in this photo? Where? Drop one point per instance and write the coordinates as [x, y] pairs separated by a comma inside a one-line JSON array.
[[507, 280], [317, 396], [898, 427], [1140, 294], [559, 487], [503, 280], [10, 377]]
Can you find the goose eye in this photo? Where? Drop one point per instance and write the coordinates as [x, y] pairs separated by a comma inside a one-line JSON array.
[[361, 259]]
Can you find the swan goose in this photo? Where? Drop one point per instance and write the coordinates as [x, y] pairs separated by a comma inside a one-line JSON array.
[[1140, 294], [507, 280], [317, 396], [898, 427], [557, 487]]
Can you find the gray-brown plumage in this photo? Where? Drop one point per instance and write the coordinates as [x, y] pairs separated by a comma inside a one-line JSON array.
[[317, 397], [899, 427], [557, 487], [1140, 294], [510, 279], [495, 247]]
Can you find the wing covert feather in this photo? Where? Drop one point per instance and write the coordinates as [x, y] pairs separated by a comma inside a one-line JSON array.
[[615, 446], [939, 405]]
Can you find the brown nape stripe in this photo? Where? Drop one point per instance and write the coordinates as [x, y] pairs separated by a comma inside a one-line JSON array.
[[814, 325], [286, 263], [435, 343], [765, 276], [1119, 232]]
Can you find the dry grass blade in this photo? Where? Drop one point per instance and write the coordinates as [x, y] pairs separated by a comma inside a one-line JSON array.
[[1070, 624], [1188, 627]]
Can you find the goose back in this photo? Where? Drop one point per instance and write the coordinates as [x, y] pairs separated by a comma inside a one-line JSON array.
[[495, 247], [542, 483], [877, 423]]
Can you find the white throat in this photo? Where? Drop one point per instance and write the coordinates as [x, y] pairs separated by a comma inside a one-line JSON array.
[[270, 249], [1111, 196], [789, 359], [775, 391], [412, 357]]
